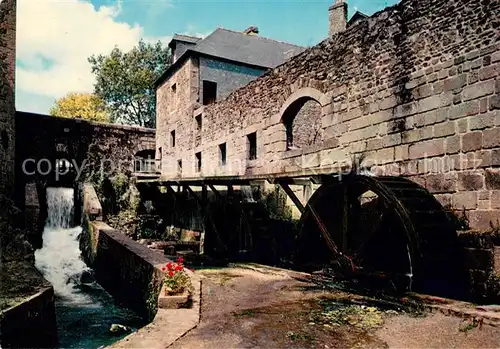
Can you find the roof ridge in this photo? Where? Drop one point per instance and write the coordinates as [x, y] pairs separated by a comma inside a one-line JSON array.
[[259, 37], [188, 36]]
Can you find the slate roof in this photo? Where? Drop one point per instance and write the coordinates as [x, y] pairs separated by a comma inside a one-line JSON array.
[[245, 48], [358, 16], [185, 38], [229, 45]]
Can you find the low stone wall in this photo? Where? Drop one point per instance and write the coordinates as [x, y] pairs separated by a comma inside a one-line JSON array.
[[27, 315], [129, 271], [481, 260]]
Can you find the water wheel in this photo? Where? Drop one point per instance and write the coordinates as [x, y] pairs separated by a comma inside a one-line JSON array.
[[387, 227]]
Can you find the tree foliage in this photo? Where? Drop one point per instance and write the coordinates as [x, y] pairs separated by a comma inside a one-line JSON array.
[[125, 81], [82, 106]]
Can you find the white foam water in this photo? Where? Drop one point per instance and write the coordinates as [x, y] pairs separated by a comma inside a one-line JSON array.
[[59, 258]]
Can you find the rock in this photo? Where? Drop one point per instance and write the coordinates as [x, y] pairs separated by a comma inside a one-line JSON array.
[[144, 241], [159, 245], [118, 329]]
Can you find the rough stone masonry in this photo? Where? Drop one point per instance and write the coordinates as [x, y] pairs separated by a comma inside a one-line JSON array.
[[415, 87], [7, 113]]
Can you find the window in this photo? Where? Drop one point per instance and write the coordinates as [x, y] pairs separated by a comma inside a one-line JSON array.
[[198, 161], [209, 92], [179, 167], [222, 154], [172, 138], [198, 121], [158, 163], [252, 146]]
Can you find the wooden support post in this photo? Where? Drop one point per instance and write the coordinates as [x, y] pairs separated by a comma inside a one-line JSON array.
[[215, 191], [191, 192], [204, 214], [293, 197]]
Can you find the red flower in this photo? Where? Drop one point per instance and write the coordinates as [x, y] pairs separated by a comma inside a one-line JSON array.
[[163, 269], [169, 265], [180, 260], [192, 270], [178, 268], [170, 273]]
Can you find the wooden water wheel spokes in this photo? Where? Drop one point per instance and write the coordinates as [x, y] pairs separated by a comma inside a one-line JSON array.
[[370, 231]]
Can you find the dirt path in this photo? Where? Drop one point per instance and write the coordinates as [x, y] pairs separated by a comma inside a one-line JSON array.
[[244, 308]]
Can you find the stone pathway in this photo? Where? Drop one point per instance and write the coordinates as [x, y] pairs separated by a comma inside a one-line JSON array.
[[167, 326]]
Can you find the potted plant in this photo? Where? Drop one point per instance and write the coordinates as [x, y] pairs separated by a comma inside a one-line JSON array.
[[177, 287]]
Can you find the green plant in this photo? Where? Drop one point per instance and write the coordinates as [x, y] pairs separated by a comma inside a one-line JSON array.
[[176, 279]]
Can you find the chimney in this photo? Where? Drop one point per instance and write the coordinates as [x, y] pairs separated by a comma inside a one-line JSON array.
[[251, 30], [337, 16]]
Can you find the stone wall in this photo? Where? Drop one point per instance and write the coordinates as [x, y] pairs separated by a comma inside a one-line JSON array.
[[228, 76], [415, 87], [27, 310], [95, 150], [7, 111], [130, 272], [175, 110], [7, 99]]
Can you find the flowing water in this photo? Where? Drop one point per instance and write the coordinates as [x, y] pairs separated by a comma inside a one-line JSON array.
[[84, 310]]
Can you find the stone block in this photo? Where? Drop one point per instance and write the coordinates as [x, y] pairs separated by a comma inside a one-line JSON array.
[[455, 82], [491, 138], [427, 148], [478, 258], [495, 199], [479, 90], [472, 141], [481, 121], [401, 152], [440, 183], [475, 239], [464, 109], [494, 102], [465, 200], [482, 219], [492, 179], [444, 129], [470, 181], [453, 144]]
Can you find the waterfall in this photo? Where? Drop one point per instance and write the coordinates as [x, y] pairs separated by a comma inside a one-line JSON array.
[[247, 193], [84, 310], [59, 258]]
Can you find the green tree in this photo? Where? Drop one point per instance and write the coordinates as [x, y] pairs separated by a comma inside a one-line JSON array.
[[81, 106], [125, 81]]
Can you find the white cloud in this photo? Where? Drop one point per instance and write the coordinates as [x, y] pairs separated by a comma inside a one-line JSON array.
[[55, 38]]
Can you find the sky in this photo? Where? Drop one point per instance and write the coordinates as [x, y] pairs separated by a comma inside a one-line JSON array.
[[55, 37]]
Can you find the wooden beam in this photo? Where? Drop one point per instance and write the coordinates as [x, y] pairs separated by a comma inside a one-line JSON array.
[[190, 191], [215, 191], [293, 197], [294, 181]]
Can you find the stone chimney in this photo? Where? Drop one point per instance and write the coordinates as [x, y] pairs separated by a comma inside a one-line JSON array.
[[251, 30], [337, 16]]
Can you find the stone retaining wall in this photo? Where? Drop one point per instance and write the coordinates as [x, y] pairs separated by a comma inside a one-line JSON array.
[[129, 271], [481, 260], [29, 321]]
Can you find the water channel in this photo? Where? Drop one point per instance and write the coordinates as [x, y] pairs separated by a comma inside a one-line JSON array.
[[84, 310]]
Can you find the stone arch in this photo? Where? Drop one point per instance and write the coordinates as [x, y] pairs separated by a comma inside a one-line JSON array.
[[301, 116], [144, 160]]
